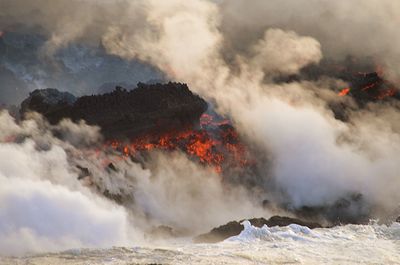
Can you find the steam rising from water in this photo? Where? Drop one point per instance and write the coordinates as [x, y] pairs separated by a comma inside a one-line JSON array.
[[316, 158], [44, 207], [38, 216]]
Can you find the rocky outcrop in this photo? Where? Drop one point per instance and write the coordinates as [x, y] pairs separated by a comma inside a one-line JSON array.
[[350, 209], [163, 232], [234, 228], [145, 109], [365, 84], [47, 101]]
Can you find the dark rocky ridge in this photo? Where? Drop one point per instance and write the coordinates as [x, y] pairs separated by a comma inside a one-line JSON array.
[[350, 209], [122, 113], [234, 228], [366, 84], [365, 80]]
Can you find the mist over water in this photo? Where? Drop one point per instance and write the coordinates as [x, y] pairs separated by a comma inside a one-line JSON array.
[[229, 52], [45, 207]]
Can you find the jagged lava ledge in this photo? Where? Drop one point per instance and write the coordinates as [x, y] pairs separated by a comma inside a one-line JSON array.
[[146, 109]]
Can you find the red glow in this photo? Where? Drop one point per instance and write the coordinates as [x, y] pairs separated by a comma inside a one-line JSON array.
[[386, 93], [379, 71], [208, 120], [372, 85], [211, 149], [344, 92]]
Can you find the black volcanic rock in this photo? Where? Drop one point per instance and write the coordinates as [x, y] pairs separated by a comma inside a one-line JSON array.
[[350, 209], [146, 109], [47, 101], [366, 84], [398, 219], [234, 228], [163, 232]]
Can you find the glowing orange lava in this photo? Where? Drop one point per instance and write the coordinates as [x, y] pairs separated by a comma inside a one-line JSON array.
[[209, 148], [387, 93], [372, 85], [344, 92]]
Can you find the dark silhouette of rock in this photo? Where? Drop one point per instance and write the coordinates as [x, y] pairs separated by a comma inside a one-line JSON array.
[[83, 172], [163, 232], [234, 228], [111, 167], [398, 219], [350, 209], [366, 84], [47, 101], [110, 87], [147, 109]]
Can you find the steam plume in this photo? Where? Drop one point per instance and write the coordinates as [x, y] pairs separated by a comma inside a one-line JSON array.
[[45, 207]]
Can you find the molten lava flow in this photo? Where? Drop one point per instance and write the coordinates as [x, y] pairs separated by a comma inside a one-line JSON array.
[[215, 144], [344, 92], [207, 120], [386, 93], [370, 86]]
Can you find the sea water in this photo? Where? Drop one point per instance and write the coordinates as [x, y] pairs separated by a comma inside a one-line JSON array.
[[294, 244]]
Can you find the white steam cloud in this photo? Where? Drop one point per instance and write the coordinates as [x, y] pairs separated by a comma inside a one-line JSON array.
[[358, 28], [181, 194], [286, 52], [310, 162], [44, 207], [38, 216]]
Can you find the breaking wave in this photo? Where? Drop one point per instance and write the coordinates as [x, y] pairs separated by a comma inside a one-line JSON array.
[[350, 244]]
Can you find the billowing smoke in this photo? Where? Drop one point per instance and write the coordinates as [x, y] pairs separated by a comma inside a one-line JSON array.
[[300, 52], [230, 52], [311, 162], [39, 216], [49, 204], [37, 52], [358, 28], [43, 207]]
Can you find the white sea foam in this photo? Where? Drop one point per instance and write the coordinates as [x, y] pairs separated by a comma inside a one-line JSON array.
[[251, 233], [294, 244]]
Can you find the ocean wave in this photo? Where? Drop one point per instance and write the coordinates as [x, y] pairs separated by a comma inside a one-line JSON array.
[[296, 232]]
